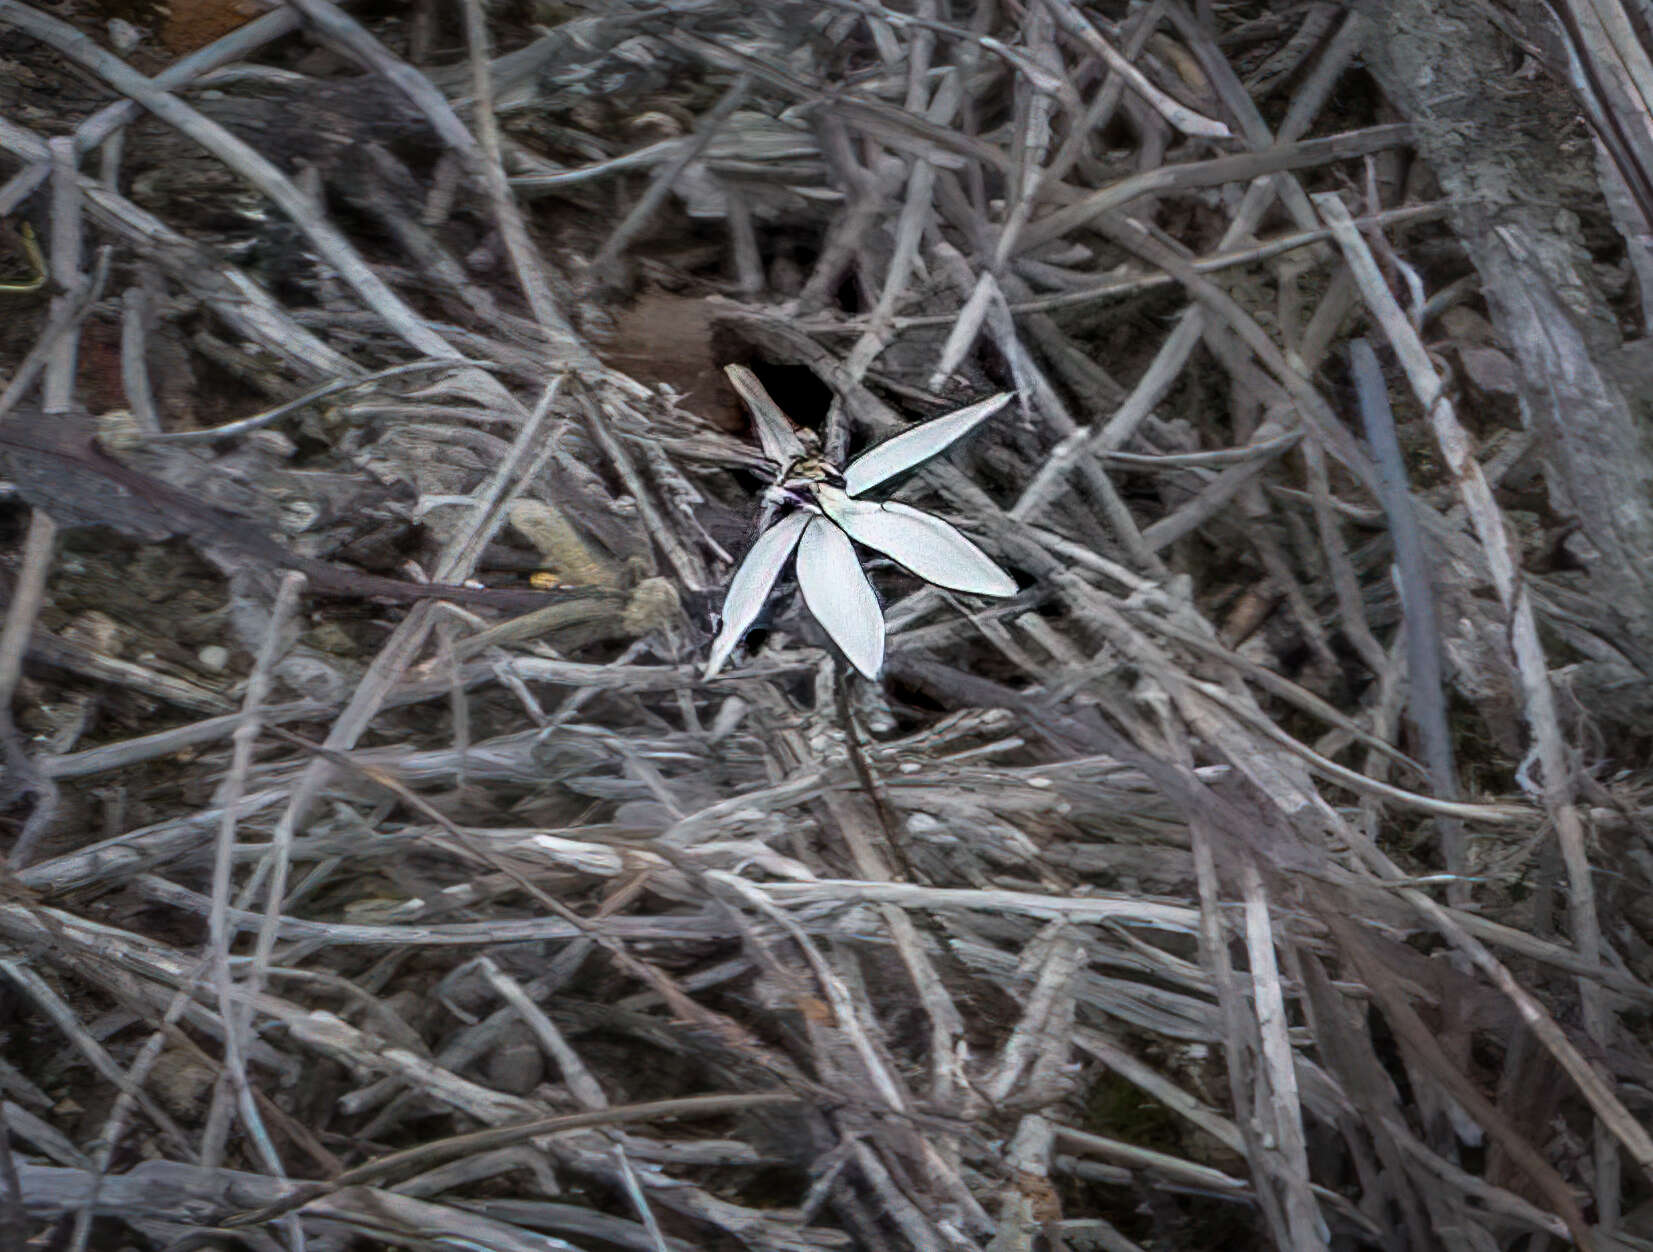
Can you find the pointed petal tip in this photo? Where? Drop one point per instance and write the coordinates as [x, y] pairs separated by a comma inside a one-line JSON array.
[[1003, 586], [722, 648], [839, 596], [935, 550], [780, 439], [754, 579], [914, 446]]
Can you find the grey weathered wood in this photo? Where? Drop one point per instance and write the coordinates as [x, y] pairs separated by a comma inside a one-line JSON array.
[[1508, 154]]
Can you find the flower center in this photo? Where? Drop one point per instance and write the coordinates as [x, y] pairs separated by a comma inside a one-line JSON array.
[[798, 483]]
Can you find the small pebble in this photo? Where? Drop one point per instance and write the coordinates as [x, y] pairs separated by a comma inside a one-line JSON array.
[[124, 36], [311, 678], [516, 1066]]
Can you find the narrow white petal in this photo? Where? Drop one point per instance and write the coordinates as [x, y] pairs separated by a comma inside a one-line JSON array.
[[928, 546], [775, 431], [838, 594], [753, 581], [915, 446]]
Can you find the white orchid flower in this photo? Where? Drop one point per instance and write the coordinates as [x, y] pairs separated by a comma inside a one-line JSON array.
[[815, 510]]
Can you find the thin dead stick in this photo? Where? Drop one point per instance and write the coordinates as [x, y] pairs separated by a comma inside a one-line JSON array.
[[353, 721], [28, 773], [921, 57], [1138, 29], [1345, 582], [525, 257], [1307, 1227], [705, 131], [689, 568], [1496, 1199], [1120, 287], [1500, 814], [1031, 147], [398, 653], [336, 1038], [896, 127], [115, 1127], [1090, 910], [1168, 363], [246, 425], [917, 211], [1426, 1050], [1215, 171], [1108, 1051], [423, 1156], [27, 597], [338, 28], [886, 1085], [1346, 1051], [237, 1014], [68, 233], [848, 815], [1423, 647], [1607, 65], [14, 1224], [15, 191], [1187, 120], [240, 157], [58, 356], [577, 1076], [1272, 683], [61, 1015], [565, 916], [234, 296], [1043, 78], [1214, 498], [1238, 102], [1537, 696], [135, 325], [67, 313], [1042, 1036], [1311, 405], [639, 1201], [236, 45], [1597, 1091], [1292, 1217], [1239, 1036]]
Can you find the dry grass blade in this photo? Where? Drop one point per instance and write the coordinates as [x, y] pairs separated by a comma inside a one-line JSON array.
[[1186, 896], [1530, 663], [246, 161]]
